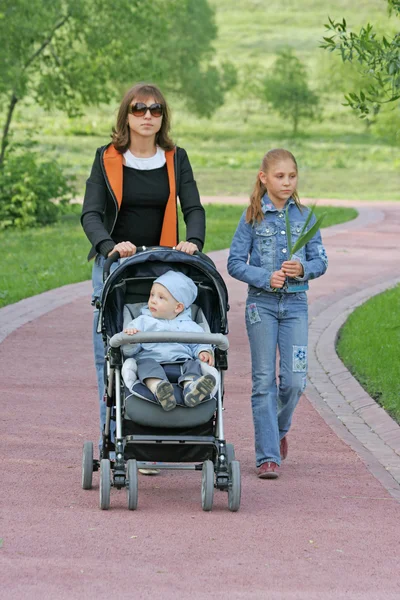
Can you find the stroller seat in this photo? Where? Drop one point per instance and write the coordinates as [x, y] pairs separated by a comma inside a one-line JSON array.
[[140, 405]]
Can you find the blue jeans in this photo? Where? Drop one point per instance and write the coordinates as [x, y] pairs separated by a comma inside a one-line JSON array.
[[276, 320], [147, 367], [98, 345]]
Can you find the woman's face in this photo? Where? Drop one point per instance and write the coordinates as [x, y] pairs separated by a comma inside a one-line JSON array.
[[145, 126], [280, 180]]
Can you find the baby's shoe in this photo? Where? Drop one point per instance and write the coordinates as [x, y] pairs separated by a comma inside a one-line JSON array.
[[196, 391], [164, 393]]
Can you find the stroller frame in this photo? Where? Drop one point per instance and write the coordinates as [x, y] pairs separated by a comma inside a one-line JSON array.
[[222, 474]]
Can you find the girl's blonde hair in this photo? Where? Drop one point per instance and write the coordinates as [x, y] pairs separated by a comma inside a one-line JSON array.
[[140, 92], [254, 212]]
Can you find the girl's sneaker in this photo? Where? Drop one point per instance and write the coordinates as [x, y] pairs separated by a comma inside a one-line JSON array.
[[198, 390], [268, 470], [164, 393]]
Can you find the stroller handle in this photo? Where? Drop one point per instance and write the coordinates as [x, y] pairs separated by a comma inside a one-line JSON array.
[[107, 264], [215, 339], [115, 256]]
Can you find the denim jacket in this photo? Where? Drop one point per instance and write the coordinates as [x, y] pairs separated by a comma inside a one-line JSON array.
[[259, 249]]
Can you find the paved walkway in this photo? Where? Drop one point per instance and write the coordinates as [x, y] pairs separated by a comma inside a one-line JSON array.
[[327, 529]]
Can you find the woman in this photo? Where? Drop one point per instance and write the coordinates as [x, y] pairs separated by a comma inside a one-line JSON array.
[[130, 197]]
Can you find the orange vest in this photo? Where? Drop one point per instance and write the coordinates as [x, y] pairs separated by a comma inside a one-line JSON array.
[[113, 163]]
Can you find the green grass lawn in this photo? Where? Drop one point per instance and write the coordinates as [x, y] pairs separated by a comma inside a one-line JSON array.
[[369, 344], [45, 258]]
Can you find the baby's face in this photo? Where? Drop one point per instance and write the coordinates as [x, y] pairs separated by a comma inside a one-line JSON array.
[[162, 304]]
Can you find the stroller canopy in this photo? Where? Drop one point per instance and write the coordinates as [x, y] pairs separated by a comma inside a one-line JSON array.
[[131, 281]]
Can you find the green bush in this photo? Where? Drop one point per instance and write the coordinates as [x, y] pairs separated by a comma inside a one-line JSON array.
[[32, 191]]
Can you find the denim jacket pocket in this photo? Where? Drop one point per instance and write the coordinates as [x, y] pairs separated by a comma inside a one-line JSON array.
[[266, 238], [295, 230]]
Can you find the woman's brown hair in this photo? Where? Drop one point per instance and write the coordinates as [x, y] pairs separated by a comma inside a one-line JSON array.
[[254, 211], [121, 132]]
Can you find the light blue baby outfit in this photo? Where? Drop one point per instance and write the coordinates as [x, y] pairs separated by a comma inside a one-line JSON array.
[[165, 352]]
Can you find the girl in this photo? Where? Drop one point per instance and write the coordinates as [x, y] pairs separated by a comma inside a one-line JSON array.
[[276, 307], [130, 197]]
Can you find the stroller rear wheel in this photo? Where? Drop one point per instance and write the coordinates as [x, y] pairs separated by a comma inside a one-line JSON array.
[[105, 483], [234, 489], [132, 483], [87, 465], [207, 485]]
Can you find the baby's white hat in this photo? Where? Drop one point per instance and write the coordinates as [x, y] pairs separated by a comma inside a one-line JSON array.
[[179, 286]]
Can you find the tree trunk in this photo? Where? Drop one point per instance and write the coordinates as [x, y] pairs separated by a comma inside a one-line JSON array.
[[14, 98], [4, 139]]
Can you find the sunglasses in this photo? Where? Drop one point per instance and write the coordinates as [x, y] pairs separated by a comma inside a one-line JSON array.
[[140, 109]]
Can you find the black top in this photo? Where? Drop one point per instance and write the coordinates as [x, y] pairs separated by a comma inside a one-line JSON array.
[[141, 215], [104, 225]]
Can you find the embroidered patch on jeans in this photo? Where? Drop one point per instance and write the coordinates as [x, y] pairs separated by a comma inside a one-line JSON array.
[[252, 311], [299, 359]]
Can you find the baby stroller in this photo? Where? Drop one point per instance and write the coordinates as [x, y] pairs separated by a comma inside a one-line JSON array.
[[184, 438]]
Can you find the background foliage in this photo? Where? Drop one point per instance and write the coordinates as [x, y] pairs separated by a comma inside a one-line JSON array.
[[377, 57], [287, 91], [339, 156], [69, 54]]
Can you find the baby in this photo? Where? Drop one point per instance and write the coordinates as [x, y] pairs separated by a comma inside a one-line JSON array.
[[168, 309]]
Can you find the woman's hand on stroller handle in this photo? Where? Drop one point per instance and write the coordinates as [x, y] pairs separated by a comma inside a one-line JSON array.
[[187, 247], [120, 250], [124, 249], [127, 249]]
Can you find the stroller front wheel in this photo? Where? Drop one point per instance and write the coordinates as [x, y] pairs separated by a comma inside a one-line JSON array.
[[105, 483], [235, 488], [132, 484], [87, 465], [207, 485]]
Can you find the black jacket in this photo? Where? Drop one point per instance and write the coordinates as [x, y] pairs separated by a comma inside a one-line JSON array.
[[100, 207]]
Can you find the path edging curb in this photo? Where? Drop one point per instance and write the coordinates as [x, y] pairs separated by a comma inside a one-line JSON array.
[[15, 315], [343, 403]]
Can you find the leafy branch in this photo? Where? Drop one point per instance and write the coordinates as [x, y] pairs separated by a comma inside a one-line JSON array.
[[305, 234], [14, 96], [379, 59]]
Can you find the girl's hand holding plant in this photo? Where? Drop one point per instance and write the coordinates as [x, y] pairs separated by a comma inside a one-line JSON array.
[[292, 268], [305, 236], [278, 279]]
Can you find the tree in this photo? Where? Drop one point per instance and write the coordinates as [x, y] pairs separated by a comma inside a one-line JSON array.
[[336, 77], [287, 91], [68, 54], [377, 58]]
